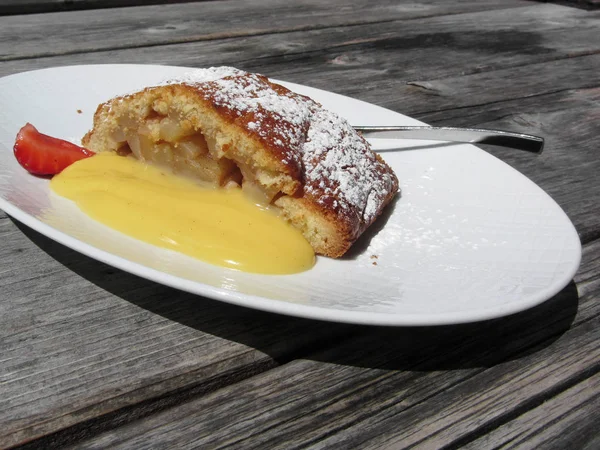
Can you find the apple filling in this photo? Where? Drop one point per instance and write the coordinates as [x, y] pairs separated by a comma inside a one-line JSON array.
[[167, 141]]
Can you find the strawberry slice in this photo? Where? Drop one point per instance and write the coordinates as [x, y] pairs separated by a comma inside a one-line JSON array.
[[41, 154]]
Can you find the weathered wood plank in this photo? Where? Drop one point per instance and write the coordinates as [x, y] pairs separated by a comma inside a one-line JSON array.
[[67, 334], [481, 402], [399, 51], [172, 311], [587, 4], [397, 70], [39, 6], [393, 346], [79, 340], [87, 31], [395, 388], [569, 420]]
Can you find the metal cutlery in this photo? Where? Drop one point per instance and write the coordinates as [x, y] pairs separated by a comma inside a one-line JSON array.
[[520, 141]]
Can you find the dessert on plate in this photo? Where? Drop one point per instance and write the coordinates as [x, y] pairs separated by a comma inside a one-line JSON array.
[[230, 128]]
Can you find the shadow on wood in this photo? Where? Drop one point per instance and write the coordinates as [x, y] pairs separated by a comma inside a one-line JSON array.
[[42, 6], [481, 344], [582, 4], [284, 339]]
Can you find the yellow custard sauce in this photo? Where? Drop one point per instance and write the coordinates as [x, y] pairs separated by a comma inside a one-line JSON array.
[[219, 226]]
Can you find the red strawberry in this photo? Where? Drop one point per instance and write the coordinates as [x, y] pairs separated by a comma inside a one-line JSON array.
[[44, 155]]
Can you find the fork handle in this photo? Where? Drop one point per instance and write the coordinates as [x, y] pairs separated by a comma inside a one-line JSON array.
[[519, 141]]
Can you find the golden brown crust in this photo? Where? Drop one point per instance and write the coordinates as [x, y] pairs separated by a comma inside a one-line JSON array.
[[328, 183]]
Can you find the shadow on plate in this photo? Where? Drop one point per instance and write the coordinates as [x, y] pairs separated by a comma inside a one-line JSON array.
[[363, 242], [480, 344]]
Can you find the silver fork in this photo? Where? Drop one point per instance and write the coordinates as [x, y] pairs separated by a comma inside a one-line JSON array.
[[520, 141]]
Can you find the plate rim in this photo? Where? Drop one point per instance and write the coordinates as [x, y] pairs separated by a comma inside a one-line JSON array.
[[281, 306]]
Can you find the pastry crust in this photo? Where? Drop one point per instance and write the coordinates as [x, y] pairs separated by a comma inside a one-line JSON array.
[[228, 126]]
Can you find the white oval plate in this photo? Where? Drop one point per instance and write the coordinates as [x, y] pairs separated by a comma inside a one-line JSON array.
[[470, 238]]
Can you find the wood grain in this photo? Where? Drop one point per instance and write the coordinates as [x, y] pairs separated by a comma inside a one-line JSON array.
[[164, 24], [587, 4], [386, 389], [79, 339], [39, 6], [566, 421], [93, 357], [407, 50]]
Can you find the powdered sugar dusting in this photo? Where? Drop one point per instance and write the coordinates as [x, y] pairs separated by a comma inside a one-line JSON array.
[[205, 75], [243, 92], [341, 166], [339, 169]]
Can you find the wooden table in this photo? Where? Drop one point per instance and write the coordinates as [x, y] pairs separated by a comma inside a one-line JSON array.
[[94, 357]]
